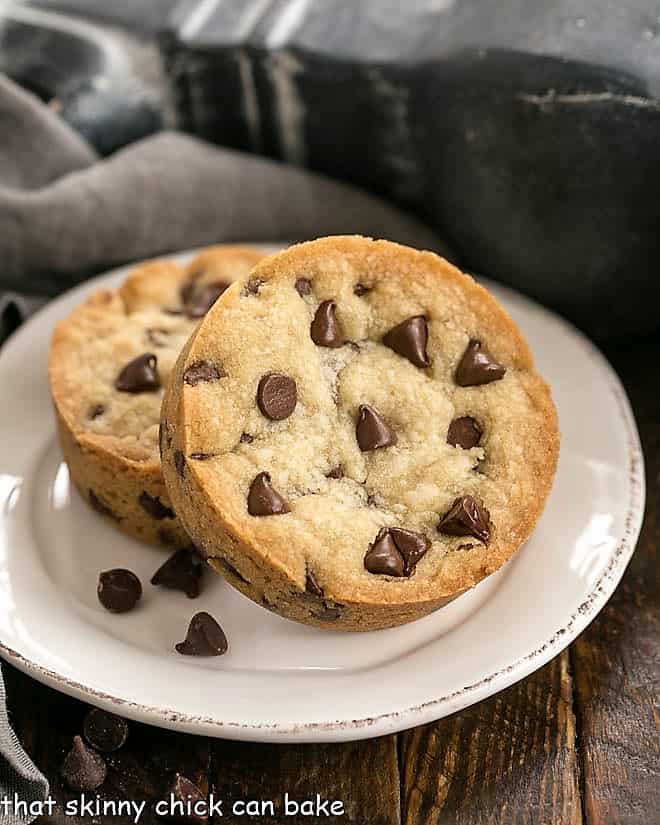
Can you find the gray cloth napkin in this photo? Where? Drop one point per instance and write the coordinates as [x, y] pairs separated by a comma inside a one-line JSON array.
[[65, 214]]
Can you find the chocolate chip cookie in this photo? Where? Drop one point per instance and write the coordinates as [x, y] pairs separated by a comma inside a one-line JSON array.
[[109, 362], [355, 434]]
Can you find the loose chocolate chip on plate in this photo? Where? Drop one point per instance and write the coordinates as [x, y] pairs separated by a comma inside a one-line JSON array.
[[361, 289], [263, 498], [277, 396], [182, 571], [246, 438], [101, 507], [477, 367], [464, 432], [155, 507], [371, 430], [205, 637], [311, 584], [139, 375], [395, 552], [409, 339], [193, 809], [466, 517], [119, 590], [202, 371], [83, 769], [201, 300], [105, 731], [325, 330], [303, 286], [95, 411], [179, 463]]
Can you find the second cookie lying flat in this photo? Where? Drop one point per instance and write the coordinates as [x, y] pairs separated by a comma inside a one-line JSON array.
[[355, 434]]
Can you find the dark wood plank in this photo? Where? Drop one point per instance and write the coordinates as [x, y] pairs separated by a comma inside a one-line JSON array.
[[510, 759], [617, 659], [46, 721], [362, 775]]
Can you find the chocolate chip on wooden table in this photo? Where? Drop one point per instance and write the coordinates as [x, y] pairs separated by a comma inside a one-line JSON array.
[[205, 637], [193, 808], [466, 517], [83, 769], [477, 366], [371, 430], [101, 507], [303, 286], [325, 329], [395, 552], [200, 301], [119, 590], [202, 371], [139, 375], [277, 396], [464, 432], [409, 339], [95, 411], [182, 571], [263, 498], [105, 731], [155, 507]]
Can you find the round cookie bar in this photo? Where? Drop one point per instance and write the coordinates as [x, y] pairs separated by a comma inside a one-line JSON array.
[[109, 362], [355, 434]]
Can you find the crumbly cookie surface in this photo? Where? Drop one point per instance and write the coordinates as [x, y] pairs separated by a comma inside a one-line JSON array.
[[356, 434], [109, 363]]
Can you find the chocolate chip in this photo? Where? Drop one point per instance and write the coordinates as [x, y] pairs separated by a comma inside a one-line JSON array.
[[202, 371], [200, 301], [409, 339], [395, 552], [303, 286], [101, 507], [105, 731], [205, 637], [477, 367], [466, 517], [182, 571], [179, 463], [311, 584], [83, 769], [158, 337], [139, 375], [95, 411], [155, 507], [464, 432], [336, 472], [277, 396], [383, 556], [361, 289], [325, 330], [119, 590], [371, 430], [193, 807], [229, 568], [263, 498], [246, 438], [253, 286]]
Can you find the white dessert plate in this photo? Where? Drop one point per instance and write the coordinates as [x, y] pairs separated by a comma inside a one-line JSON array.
[[286, 682]]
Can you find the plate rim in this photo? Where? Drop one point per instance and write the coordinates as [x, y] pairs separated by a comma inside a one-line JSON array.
[[417, 714]]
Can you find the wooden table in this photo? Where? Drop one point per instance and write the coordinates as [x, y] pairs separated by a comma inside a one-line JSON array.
[[576, 742]]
